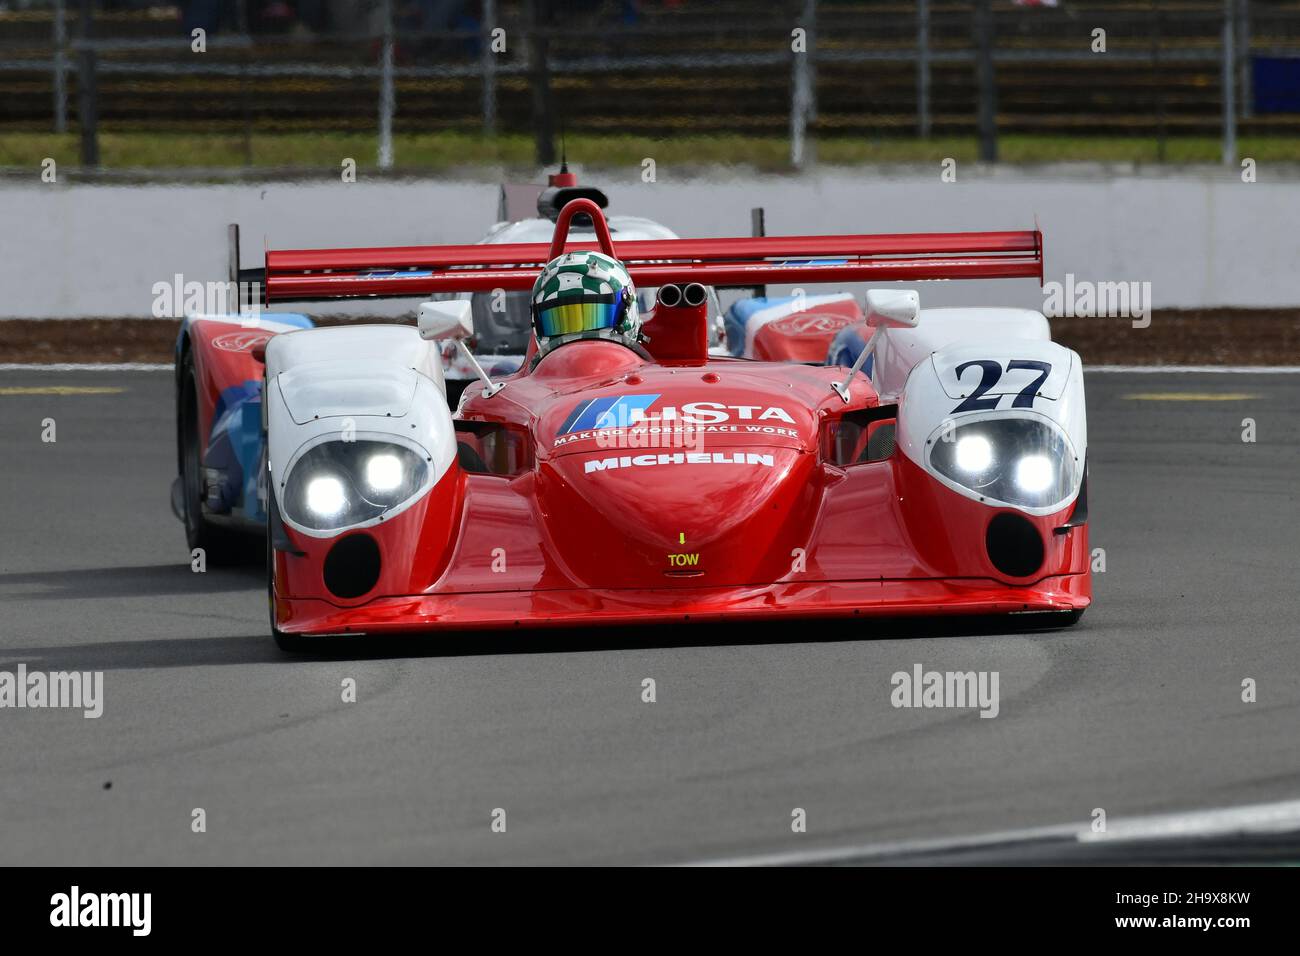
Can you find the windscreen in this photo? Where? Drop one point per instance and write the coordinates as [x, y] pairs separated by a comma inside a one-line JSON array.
[[502, 322]]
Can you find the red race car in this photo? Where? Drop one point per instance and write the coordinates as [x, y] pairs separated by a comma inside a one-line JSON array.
[[626, 476]]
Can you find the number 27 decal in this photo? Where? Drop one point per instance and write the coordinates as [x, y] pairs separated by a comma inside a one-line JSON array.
[[991, 374]]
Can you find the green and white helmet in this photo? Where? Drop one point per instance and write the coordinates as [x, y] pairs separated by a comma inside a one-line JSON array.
[[583, 295]]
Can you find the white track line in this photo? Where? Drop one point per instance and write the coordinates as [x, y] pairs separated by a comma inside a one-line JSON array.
[[1193, 369], [1257, 818], [86, 367]]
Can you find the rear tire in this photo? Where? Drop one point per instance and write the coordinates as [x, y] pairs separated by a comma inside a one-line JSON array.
[[220, 545]]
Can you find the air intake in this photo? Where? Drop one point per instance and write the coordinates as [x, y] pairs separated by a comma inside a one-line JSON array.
[[1014, 545], [352, 566]]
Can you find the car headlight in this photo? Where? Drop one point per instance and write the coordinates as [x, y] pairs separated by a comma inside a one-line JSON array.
[[338, 484], [1017, 461]]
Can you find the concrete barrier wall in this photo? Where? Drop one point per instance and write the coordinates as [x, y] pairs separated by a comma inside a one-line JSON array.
[[1201, 238]]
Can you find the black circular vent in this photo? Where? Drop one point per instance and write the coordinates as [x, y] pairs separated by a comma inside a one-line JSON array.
[[352, 566], [1014, 545]]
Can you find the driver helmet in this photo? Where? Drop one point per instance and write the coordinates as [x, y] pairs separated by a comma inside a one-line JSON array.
[[584, 295]]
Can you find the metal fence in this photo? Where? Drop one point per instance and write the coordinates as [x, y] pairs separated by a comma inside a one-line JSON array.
[[798, 68]]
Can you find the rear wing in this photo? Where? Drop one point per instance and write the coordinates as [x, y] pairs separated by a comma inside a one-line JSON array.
[[399, 271]]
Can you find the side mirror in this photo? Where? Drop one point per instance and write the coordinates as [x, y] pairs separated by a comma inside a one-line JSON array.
[[446, 320], [894, 308]]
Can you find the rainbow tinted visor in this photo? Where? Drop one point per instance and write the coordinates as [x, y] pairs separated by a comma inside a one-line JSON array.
[[569, 317]]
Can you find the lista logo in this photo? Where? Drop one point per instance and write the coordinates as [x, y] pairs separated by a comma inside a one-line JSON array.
[[679, 458], [623, 411]]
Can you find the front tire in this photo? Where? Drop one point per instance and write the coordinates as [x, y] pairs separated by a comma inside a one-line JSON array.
[[220, 546], [289, 643]]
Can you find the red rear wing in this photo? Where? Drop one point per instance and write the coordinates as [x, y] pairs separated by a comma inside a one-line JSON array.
[[311, 274]]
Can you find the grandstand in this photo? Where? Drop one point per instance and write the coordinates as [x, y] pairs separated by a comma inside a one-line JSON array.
[[661, 68]]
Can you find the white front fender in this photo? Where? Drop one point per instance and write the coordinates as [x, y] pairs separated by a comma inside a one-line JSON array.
[[355, 383], [996, 379]]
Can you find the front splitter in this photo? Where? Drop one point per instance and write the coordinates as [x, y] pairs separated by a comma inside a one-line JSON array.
[[496, 610]]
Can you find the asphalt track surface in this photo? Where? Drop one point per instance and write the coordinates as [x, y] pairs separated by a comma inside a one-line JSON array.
[[1136, 710]]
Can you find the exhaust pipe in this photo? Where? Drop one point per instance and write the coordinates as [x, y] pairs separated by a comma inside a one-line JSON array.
[[694, 294], [670, 296]]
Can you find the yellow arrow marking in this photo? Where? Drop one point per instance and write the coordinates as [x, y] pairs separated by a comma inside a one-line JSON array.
[[1190, 396], [60, 390], [681, 537]]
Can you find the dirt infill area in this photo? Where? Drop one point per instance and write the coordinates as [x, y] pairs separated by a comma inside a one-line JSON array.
[[1174, 337], [1187, 337], [39, 341], [99, 341]]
